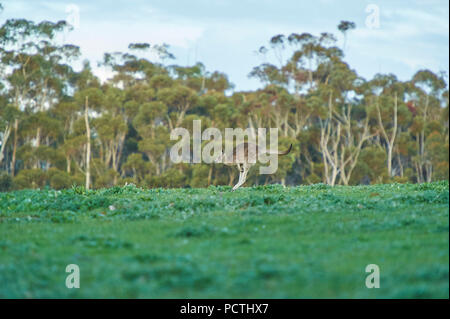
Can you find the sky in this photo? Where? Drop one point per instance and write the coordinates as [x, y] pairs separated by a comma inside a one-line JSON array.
[[392, 36]]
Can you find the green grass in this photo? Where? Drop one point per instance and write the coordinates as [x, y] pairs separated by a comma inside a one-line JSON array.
[[261, 242]]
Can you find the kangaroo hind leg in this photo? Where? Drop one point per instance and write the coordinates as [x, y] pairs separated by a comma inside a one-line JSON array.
[[242, 176]]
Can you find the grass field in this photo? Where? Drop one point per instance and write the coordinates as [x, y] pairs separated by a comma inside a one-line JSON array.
[[262, 242]]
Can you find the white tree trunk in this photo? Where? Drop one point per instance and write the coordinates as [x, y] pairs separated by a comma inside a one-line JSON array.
[[88, 150]]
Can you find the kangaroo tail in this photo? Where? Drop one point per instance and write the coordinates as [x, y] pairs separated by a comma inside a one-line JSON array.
[[286, 152], [281, 153]]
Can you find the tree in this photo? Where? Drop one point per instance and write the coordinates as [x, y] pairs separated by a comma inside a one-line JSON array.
[[385, 92], [88, 143], [59, 127], [35, 67], [427, 91], [89, 99], [344, 27]]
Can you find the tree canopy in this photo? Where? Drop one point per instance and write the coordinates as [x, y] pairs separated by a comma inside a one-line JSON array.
[[58, 126]]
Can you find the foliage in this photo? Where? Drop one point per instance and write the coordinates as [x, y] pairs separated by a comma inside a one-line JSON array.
[[6, 182], [344, 129], [303, 242]]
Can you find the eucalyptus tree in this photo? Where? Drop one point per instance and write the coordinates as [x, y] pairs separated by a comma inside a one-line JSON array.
[[385, 96], [134, 91], [137, 167], [136, 66], [8, 115], [308, 67], [343, 131], [428, 90], [35, 67], [344, 27], [154, 137], [271, 73], [111, 128], [179, 99], [309, 61], [89, 100]]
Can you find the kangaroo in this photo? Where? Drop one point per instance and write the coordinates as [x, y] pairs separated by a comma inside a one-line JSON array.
[[244, 157]]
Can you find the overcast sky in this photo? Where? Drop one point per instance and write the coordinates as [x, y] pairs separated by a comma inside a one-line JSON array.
[[224, 34]]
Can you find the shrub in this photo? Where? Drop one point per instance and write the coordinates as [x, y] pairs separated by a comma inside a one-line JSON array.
[[6, 182], [30, 178], [59, 179], [171, 178], [400, 180], [106, 179]]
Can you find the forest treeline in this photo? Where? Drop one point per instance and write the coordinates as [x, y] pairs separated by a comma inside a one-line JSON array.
[[60, 127]]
